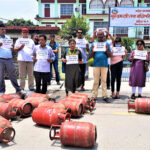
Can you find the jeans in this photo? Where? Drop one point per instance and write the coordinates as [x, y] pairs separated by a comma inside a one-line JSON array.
[[7, 64], [55, 65], [41, 76]]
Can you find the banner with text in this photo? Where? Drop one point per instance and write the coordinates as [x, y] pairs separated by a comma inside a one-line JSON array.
[[129, 16]]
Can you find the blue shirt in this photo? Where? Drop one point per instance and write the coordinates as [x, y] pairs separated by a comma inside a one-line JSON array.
[[5, 53], [55, 46], [100, 58]]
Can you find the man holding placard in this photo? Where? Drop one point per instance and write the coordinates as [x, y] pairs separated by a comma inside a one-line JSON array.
[[100, 52], [25, 46], [138, 71], [42, 56], [6, 61], [82, 45]]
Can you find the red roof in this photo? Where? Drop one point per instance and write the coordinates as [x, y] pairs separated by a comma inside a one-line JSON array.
[[32, 28]]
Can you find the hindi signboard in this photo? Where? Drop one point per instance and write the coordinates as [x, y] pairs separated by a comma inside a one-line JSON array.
[[100, 47], [129, 16], [72, 59], [118, 51]]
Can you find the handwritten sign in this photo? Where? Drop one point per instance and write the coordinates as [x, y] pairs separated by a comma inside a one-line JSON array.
[[26, 42], [80, 43], [100, 46], [129, 16], [7, 43], [118, 51], [42, 54], [140, 54], [72, 59]]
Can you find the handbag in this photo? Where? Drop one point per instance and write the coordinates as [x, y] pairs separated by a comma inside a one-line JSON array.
[[146, 68]]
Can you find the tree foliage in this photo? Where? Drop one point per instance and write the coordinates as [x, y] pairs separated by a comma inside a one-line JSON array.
[[128, 43], [19, 22], [72, 25], [1, 22]]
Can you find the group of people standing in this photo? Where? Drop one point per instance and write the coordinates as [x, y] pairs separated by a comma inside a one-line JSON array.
[[36, 57]]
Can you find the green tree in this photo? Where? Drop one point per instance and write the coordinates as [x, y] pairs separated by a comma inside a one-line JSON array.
[[128, 43], [72, 25], [1, 22], [19, 22]]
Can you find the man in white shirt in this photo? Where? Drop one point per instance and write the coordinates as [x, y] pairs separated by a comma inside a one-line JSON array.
[[42, 56], [25, 46], [82, 45]]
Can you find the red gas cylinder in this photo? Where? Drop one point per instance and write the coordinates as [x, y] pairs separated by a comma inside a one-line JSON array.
[[80, 134], [140, 105], [75, 106], [46, 116], [7, 111], [90, 102], [9, 97], [39, 95], [35, 101], [52, 105], [7, 133], [24, 107]]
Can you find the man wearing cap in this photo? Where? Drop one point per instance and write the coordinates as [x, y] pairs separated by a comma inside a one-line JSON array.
[[55, 48], [100, 52], [82, 45], [25, 46], [6, 61]]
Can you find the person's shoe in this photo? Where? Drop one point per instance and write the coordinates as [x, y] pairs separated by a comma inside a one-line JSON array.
[[32, 89], [117, 97], [108, 88], [58, 83], [107, 100], [48, 83], [133, 96], [82, 89], [139, 95]]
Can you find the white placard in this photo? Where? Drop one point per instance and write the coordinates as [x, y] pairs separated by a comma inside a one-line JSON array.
[[26, 42], [118, 51], [72, 59], [42, 54], [100, 47], [140, 54], [7, 43], [129, 16], [103, 29], [81, 43]]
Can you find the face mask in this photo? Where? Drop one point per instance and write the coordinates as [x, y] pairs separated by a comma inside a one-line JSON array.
[[117, 45]]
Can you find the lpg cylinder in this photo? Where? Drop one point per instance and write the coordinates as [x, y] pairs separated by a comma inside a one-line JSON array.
[[79, 134], [7, 133], [35, 101], [9, 97], [39, 95], [75, 106], [140, 105], [52, 105], [24, 107], [7, 111], [46, 116]]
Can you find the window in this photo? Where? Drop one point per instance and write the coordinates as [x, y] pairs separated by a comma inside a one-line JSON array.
[[83, 8], [146, 31], [148, 5], [100, 25], [66, 9], [126, 3], [120, 30], [47, 10], [95, 4]]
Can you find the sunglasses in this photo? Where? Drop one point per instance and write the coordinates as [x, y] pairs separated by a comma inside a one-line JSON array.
[[139, 44], [80, 32]]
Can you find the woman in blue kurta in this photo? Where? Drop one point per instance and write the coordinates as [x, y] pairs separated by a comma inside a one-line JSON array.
[[138, 72]]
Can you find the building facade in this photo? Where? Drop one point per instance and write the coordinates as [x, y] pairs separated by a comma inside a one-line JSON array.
[[95, 12]]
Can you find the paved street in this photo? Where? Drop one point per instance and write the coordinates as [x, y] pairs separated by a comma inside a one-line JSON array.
[[116, 128]]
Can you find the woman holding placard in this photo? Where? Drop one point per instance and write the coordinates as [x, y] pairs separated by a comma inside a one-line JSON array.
[[118, 54], [72, 58], [138, 73]]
